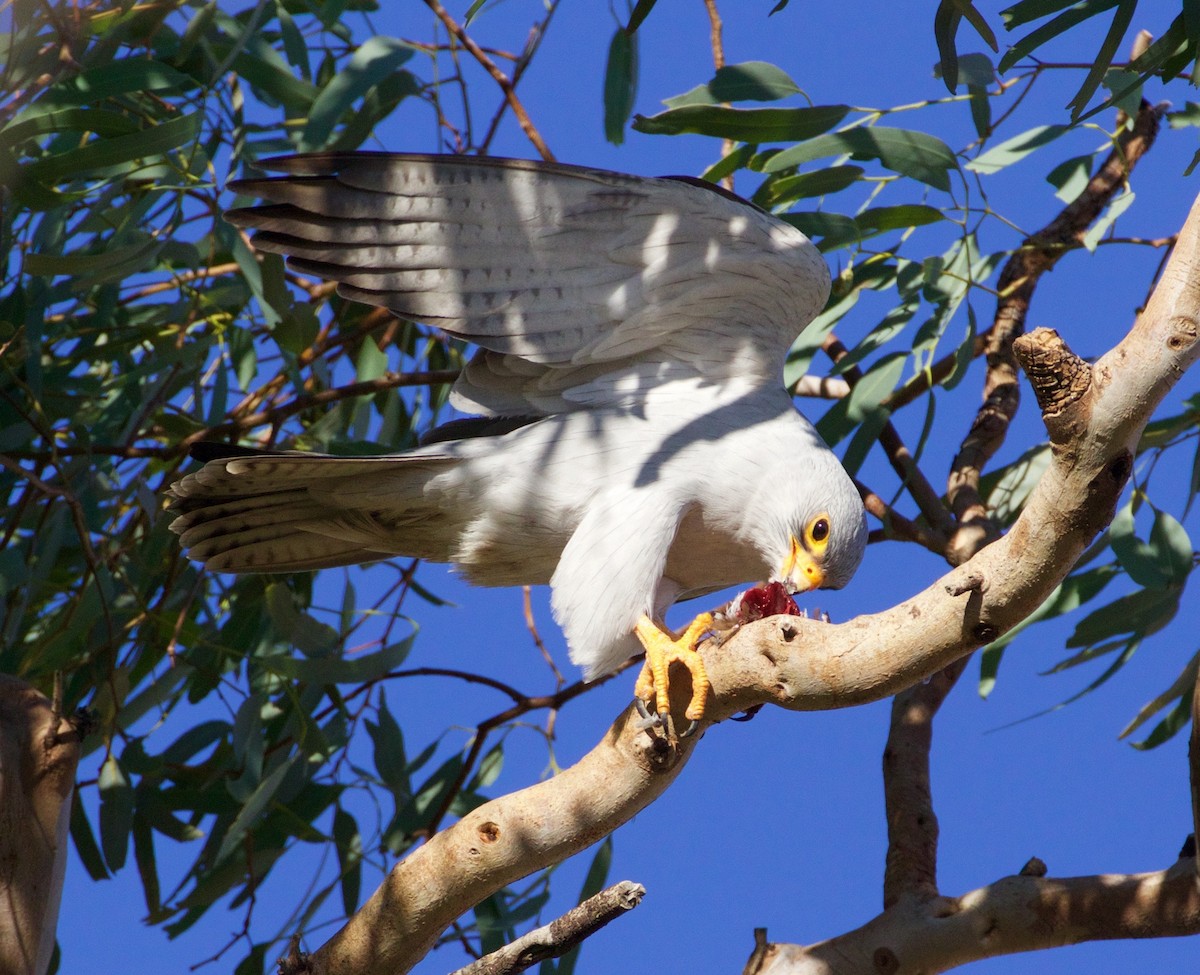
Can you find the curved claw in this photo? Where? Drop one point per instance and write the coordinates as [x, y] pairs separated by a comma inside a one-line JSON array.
[[662, 650]]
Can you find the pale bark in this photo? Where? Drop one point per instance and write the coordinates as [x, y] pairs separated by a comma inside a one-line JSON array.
[[38, 755], [1014, 914], [1094, 416], [562, 934]]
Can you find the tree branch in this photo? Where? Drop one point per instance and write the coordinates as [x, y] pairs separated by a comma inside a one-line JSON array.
[[807, 665], [39, 752], [1194, 772], [561, 935], [1020, 276], [899, 456], [908, 796], [506, 85], [1020, 913]]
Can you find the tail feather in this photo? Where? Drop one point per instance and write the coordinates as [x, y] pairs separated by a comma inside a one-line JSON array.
[[297, 512]]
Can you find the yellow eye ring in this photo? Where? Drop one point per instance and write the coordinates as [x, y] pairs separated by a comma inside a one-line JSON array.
[[817, 533]]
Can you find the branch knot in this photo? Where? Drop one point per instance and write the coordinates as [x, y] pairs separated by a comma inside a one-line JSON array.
[[1060, 379]]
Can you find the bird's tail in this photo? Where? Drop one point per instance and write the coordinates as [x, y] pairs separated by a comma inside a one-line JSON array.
[[282, 512]]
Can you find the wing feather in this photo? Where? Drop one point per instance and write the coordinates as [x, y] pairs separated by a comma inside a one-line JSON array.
[[578, 273]]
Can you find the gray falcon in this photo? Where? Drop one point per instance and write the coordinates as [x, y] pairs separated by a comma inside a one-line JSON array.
[[632, 444]]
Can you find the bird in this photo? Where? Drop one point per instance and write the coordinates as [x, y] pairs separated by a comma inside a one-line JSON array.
[[627, 437]]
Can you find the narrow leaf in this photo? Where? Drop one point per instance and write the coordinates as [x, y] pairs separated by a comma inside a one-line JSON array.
[[375, 59], [755, 125], [620, 85], [910, 153]]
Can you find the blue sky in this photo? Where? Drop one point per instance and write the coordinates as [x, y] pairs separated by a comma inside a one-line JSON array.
[[778, 823]]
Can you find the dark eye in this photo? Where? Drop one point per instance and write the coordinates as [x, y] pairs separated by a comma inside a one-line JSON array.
[[819, 530]]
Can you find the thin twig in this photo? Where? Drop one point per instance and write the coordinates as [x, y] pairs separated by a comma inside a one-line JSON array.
[[536, 33], [276, 415], [898, 455], [718, 55], [896, 524], [506, 85], [562, 934]]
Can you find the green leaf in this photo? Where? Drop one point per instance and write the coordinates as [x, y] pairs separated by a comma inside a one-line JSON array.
[[1141, 613], [489, 768], [756, 81], [102, 123], [1027, 11], [782, 190], [85, 841], [1181, 689], [119, 77], [359, 669], [1007, 489], [143, 855], [116, 812], [106, 153], [910, 153], [755, 125], [1015, 149], [114, 264], [1070, 177], [1126, 90], [1103, 60], [1175, 721], [620, 85], [1170, 541], [376, 59], [248, 741], [946, 19], [1101, 226], [878, 220], [1076, 14], [390, 761], [640, 12], [864, 399], [831, 229], [350, 852], [254, 806], [1068, 596]]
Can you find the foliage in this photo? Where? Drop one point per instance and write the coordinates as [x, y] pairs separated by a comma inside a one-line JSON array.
[[134, 322]]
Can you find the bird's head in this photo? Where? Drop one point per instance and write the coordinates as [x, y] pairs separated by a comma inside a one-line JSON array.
[[820, 541]]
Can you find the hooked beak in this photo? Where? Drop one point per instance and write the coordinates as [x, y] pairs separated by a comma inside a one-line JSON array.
[[799, 572]]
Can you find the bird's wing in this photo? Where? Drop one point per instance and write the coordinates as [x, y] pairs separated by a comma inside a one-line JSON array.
[[579, 286]]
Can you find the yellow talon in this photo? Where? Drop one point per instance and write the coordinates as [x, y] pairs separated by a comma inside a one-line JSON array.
[[663, 649]]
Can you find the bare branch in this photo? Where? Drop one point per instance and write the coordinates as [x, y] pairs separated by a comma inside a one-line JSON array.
[[1194, 772], [908, 797], [1020, 913], [821, 387], [1018, 280], [803, 664], [506, 85], [895, 524], [561, 935], [898, 455]]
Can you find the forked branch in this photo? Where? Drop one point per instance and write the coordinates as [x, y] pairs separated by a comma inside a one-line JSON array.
[[806, 665]]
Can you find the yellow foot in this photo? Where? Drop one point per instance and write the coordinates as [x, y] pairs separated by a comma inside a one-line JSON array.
[[663, 649]]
